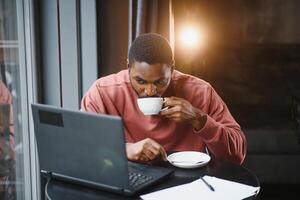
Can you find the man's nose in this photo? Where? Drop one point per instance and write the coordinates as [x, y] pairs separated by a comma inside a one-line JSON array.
[[151, 90]]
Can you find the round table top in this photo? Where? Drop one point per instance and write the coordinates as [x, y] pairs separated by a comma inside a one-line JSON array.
[[219, 168]]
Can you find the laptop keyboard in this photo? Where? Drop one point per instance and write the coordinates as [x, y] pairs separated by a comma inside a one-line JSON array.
[[137, 179]]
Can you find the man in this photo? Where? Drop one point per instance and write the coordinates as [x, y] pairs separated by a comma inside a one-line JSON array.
[[195, 117]]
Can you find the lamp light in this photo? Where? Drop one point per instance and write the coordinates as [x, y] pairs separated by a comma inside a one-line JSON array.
[[192, 37]]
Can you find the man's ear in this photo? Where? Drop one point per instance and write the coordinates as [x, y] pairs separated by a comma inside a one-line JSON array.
[[127, 63], [173, 65]]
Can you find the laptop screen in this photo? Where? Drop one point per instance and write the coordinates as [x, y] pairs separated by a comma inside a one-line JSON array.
[[81, 146]]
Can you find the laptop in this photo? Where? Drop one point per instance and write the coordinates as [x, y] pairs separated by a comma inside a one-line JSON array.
[[89, 149]]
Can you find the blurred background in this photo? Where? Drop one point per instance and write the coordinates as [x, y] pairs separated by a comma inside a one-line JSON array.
[[248, 50]]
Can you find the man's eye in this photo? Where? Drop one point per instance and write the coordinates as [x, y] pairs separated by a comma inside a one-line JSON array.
[[159, 82], [140, 81]]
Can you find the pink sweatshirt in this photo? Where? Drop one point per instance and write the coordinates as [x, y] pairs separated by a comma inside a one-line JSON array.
[[221, 134]]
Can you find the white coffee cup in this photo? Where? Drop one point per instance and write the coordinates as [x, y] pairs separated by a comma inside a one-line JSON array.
[[150, 105]]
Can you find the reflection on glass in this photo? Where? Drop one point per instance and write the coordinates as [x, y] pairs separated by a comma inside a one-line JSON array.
[[7, 155], [11, 148]]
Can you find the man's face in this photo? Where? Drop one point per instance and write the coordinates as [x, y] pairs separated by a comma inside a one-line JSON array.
[[150, 80]]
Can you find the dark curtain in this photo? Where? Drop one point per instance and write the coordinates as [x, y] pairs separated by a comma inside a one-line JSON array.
[[119, 22], [112, 35], [151, 16]]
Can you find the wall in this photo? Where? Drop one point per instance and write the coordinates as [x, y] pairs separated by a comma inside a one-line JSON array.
[[251, 57], [251, 48]]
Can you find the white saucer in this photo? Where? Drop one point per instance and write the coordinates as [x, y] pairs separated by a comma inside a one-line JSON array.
[[188, 159]]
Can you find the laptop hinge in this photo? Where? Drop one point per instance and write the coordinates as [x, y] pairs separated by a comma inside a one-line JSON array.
[[87, 183], [47, 174]]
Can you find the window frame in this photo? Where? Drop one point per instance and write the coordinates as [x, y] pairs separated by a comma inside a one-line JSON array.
[[28, 93]]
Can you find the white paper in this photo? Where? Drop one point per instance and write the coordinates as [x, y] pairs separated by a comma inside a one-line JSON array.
[[196, 190]]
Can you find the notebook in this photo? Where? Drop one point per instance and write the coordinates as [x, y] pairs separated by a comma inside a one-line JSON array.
[[89, 149]]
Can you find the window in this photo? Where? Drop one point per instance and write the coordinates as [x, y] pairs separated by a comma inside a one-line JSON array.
[[15, 174]]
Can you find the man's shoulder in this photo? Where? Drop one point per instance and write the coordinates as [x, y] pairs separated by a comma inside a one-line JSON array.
[[190, 87], [189, 80], [114, 80]]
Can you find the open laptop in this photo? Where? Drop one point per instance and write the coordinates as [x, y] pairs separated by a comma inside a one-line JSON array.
[[89, 149]]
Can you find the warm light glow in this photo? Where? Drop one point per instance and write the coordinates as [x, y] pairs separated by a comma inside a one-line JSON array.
[[192, 37]]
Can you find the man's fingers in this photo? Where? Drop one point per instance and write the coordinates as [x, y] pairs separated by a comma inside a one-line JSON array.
[[150, 154], [157, 149], [161, 150], [173, 101], [144, 150], [174, 113], [169, 111], [164, 155], [143, 158]]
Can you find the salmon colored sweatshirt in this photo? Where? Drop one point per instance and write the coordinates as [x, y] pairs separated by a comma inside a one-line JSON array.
[[221, 134]]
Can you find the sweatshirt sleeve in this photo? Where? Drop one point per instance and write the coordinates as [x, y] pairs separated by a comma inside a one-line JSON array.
[[221, 133], [92, 100]]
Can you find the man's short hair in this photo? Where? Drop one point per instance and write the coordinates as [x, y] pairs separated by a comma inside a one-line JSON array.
[[151, 48]]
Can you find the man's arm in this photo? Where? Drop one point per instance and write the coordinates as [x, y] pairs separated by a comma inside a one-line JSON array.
[[218, 129], [221, 133], [142, 151], [92, 100]]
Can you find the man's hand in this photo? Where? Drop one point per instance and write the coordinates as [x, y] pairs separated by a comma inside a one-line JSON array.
[[145, 150], [181, 111]]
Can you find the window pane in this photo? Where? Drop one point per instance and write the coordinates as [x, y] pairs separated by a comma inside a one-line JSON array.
[[11, 148]]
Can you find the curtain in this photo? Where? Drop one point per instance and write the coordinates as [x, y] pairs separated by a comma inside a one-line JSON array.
[[151, 16]]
